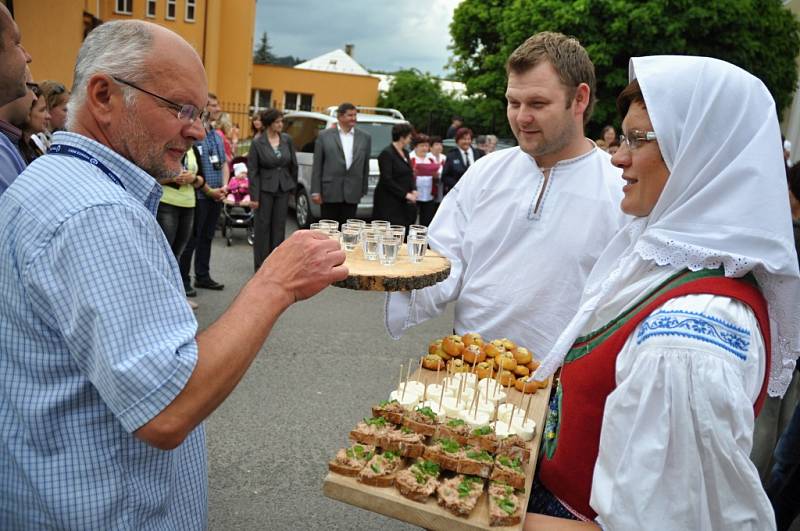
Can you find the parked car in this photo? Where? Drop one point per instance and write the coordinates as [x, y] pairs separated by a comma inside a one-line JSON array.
[[304, 126]]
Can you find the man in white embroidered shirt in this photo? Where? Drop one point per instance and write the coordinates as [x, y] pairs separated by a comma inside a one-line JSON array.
[[524, 226]]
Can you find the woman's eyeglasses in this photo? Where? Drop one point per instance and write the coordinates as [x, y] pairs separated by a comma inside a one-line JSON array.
[[636, 138]]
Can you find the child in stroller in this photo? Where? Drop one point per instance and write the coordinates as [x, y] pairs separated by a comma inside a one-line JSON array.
[[236, 205]]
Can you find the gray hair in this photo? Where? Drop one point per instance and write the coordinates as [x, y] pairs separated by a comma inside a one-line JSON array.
[[117, 48]]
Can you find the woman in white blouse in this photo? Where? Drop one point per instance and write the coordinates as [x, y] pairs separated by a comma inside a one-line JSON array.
[[687, 318]]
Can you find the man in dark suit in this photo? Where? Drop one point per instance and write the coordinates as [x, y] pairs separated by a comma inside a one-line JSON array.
[[340, 174], [459, 159]]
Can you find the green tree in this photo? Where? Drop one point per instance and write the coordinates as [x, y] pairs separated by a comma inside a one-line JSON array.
[[760, 36], [263, 54], [421, 100]]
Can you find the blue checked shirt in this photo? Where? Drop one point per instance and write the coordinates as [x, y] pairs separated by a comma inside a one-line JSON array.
[[96, 339], [212, 144]]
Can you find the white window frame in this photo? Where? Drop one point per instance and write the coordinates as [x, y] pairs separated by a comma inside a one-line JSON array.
[[150, 9], [174, 5], [256, 97], [123, 4], [193, 5]]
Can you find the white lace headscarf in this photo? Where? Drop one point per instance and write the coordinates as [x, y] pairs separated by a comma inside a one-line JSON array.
[[725, 202]]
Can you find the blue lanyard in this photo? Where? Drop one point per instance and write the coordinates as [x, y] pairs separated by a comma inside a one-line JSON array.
[[69, 151]]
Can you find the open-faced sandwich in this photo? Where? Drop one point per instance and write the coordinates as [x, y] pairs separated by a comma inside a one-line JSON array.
[[418, 481], [475, 462], [381, 469], [483, 437], [455, 429], [460, 494], [350, 461], [370, 431], [509, 470], [403, 441], [445, 452], [391, 410], [505, 507], [421, 420], [514, 446]]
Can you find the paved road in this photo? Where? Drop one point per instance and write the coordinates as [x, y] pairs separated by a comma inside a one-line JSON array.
[[325, 363]]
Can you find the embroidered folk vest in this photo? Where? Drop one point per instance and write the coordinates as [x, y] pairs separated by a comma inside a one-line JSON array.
[[572, 433]]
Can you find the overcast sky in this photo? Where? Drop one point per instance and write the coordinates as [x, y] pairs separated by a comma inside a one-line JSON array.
[[387, 35]]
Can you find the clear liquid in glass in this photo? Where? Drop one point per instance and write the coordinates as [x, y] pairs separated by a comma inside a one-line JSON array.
[[416, 250], [387, 251], [370, 248]]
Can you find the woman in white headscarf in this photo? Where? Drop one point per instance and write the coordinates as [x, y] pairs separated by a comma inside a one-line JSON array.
[[687, 317]]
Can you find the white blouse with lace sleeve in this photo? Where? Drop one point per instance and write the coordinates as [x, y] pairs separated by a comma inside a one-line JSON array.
[[677, 430]]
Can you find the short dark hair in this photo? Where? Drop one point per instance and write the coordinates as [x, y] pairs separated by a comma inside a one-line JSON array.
[[344, 107], [212, 96], [400, 131], [268, 117], [436, 140], [458, 118], [420, 139], [630, 94], [462, 132], [565, 54]]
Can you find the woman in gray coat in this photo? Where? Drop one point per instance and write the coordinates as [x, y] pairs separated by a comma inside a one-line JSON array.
[[272, 170]]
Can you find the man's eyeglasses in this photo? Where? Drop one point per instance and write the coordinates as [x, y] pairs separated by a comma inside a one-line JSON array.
[[187, 113], [33, 87], [636, 138]]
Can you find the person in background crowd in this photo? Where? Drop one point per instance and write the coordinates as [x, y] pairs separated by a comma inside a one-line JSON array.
[[684, 330], [57, 97], [176, 209], [459, 159], [105, 380], [215, 171], [609, 135], [235, 134], [491, 144], [787, 152], [437, 152], [31, 144], [613, 147], [224, 128], [396, 194], [272, 170], [783, 487], [426, 178], [13, 116], [13, 63], [256, 127], [456, 124], [340, 173], [601, 144], [525, 209]]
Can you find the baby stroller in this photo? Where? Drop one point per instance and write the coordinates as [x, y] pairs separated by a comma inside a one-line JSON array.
[[237, 214]]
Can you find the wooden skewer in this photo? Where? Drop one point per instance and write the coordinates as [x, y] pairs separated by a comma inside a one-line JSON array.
[[513, 409], [441, 395], [475, 403], [400, 383], [460, 387], [527, 408]]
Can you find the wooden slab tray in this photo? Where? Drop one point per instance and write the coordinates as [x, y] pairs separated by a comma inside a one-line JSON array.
[[429, 515], [403, 275]]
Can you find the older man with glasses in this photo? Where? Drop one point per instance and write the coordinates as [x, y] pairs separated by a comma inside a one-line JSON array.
[[104, 380]]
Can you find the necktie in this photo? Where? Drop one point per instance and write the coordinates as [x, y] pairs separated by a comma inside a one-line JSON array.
[[466, 159]]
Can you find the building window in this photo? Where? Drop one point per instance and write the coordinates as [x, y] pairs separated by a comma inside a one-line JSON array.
[[299, 102], [261, 99], [150, 10], [171, 9], [124, 7], [190, 9]]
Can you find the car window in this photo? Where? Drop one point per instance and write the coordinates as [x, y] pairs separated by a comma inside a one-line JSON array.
[[381, 134], [304, 131]]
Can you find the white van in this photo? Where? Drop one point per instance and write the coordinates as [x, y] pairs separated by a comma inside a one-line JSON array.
[[304, 126]]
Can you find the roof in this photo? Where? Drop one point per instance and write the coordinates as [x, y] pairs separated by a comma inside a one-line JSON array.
[[335, 61]]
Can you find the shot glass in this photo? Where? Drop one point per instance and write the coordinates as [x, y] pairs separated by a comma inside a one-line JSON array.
[[329, 223], [360, 222], [380, 225], [398, 230], [335, 235], [417, 246], [388, 247], [317, 227], [351, 235], [417, 229], [369, 244]]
